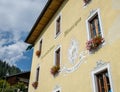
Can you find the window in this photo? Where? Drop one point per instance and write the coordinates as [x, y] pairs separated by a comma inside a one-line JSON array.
[[86, 2], [58, 25], [58, 91], [38, 52], [37, 74], [56, 67], [57, 57], [35, 83], [102, 78], [94, 29], [40, 47], [103, 82]]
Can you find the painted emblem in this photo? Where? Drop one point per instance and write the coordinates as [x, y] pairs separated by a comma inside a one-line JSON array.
[[73, 52], [74, 58]]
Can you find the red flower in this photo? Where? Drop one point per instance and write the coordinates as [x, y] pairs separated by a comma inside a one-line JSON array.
[[35, 84], [54, 70], [38, 52], [94, 43]]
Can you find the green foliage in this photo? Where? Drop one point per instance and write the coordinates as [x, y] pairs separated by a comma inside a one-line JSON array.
[[6, 68], [5, 87]]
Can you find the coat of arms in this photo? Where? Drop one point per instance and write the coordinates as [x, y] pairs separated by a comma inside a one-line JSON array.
[[73, 52]]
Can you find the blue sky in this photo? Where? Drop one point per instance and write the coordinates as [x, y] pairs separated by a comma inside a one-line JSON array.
[[16, 20]]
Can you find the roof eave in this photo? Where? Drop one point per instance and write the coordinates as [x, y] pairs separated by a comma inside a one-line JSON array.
[[35, 31], [37, 21]]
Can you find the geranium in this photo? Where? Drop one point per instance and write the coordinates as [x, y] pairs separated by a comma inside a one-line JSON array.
[[55, 70], [94, 43], [38, 52], [35, 84]]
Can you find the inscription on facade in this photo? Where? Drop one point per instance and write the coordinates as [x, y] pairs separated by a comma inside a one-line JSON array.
[[48, 51], [72, 27]]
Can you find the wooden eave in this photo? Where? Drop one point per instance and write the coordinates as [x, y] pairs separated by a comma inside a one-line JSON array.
[[48, 12]]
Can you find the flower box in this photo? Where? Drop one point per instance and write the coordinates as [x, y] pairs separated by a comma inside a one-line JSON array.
[[94, 43], [54, 70], [35, 84], [38, 52]]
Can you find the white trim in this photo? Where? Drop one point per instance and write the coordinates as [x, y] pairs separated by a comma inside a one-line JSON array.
[[106, 66], [38, 66], [41, 39], [58, 47], [89, 18], [59, 15], [58, 89]]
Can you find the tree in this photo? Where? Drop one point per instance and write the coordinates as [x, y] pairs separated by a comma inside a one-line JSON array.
[[5, 87], [6, 68]]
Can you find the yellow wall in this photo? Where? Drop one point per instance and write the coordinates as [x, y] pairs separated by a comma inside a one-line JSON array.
[[74, 11]]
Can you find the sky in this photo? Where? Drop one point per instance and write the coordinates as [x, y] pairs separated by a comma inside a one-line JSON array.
[[16, 20]]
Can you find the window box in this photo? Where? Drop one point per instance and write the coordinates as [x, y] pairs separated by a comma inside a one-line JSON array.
[[35, 84], [94, 43], [38, 52], [55, 70]]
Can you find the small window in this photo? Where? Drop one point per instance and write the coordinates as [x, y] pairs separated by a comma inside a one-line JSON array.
[[57, 57], [58, 91], [37, 74], [94, 29], [38, 52], [103, 81], [55, 69], [58, 25], [86, 2], [40, 47]]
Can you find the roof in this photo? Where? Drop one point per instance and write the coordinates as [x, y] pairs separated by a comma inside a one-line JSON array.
[[47, 13], [20, 74]]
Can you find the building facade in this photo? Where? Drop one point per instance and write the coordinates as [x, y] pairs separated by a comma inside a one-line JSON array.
[[76, 47]]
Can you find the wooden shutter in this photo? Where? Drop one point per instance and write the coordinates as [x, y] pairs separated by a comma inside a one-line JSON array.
[[91, 30], [99, 85], [96, 26], [105, 83]]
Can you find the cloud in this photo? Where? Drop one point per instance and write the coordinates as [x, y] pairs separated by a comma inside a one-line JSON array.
[[13, 52], [16, 20], [20, 14]]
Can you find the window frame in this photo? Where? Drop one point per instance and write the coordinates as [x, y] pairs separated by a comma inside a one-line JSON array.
[[40, 46], [58, 89], [87, 2], [90, 18], [37, 74], [58, 47], [98, 70], [59, 16]]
